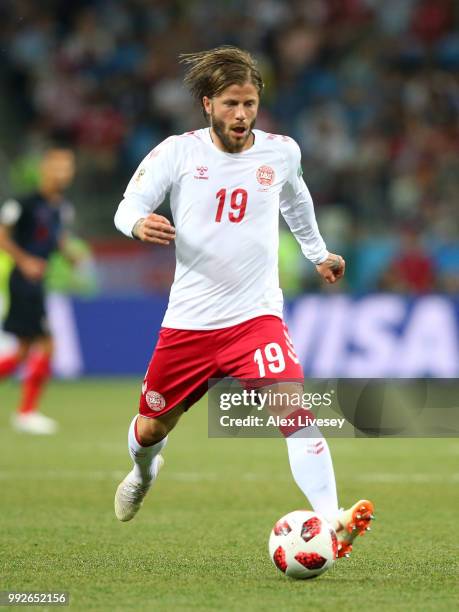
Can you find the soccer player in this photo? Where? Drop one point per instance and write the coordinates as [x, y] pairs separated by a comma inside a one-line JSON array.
[[31, 229], [227, 183]]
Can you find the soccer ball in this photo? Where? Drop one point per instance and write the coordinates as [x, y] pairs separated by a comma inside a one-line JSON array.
[[303, 545]]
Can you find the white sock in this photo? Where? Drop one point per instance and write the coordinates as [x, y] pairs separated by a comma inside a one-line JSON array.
[[312, 469], [144, 457]]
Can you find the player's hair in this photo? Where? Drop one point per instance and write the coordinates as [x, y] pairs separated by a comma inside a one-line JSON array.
[[208, 73], [58, 139]]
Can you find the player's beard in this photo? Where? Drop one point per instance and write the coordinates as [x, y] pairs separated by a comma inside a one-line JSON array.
[[224, 135]]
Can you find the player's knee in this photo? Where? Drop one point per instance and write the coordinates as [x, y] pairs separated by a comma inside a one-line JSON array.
[[150, 431], [46, 346], [283, 398], [22, 351]]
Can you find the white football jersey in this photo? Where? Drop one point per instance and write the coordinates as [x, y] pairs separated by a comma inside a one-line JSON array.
[[225, 209]]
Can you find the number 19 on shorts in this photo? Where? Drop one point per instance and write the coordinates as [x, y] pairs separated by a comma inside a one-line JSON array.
[[271, 358]]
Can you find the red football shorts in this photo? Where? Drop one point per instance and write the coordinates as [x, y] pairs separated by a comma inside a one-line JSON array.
[[184, 360]]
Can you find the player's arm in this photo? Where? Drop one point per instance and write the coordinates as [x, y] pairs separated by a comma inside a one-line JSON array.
[[297, 209], [146, 190], [31, 267]]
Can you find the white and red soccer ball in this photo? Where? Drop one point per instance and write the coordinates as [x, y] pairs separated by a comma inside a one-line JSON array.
[[302, 544]]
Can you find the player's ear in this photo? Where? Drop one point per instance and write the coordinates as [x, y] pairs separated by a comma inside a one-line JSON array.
[[206, 105]]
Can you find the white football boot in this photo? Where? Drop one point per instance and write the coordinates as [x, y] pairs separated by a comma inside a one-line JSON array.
[[34, 423], [351, 523], [130, 494]]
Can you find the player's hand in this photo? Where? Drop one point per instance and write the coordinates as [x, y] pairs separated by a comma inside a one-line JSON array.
[[332, 269], [155, 229], [33, 268]]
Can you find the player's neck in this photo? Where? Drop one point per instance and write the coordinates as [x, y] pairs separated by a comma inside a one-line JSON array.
[[50, 193]]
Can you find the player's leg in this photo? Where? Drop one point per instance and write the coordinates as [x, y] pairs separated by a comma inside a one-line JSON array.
[[309, 454], [27, 319], [146, 438], [28, 419], [16, 323], [176, 378], [37, 374], [10, 363], [308, 451], [312, 468], [261, 349]]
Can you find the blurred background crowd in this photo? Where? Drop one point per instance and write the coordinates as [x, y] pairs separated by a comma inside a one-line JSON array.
[[368, 88]]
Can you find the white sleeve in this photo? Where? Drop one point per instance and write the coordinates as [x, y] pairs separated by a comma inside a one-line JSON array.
[[147, 188], [10, 211], [297, 209]]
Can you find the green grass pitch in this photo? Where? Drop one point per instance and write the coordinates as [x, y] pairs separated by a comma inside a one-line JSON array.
[[200, 541]]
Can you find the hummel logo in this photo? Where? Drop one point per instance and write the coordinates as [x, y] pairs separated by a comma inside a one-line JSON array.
[[202, 173]]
